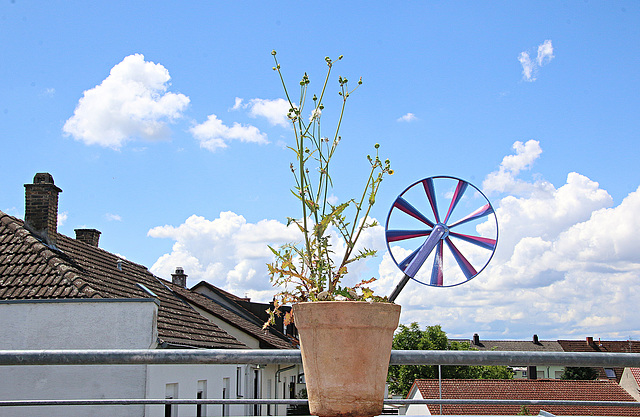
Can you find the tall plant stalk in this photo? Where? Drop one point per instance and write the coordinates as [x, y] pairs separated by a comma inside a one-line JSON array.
[[311, 271]]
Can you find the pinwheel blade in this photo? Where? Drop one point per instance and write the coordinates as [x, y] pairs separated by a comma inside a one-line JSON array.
[[483, 242], [460, 189], [467, 269], [430, 190], [406, 261], [396, 235], [405, 206], [436, 272], [479, 213]]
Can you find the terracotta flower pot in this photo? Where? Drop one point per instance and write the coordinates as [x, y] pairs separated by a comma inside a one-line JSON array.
[[345, 353]]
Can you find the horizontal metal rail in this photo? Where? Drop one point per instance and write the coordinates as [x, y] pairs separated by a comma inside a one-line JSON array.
[[267, 356], [160, 401], [284, 356]]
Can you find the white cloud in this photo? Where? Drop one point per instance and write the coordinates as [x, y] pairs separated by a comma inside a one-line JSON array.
[[113, 217], [527, 66], [228, 251], [409, 117], [132, 102], [504, 180], [545, 53], [213, 134], [62, 217], [275, 111], [530, 67], [566, 265], [231, 253]]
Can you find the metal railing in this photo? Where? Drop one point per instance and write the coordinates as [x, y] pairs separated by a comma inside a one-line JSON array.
[[268, 356]]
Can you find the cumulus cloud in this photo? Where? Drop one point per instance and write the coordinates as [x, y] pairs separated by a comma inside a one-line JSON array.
[[132, 102], [227, 251], [275, 111], [504, 180], [565, 266], [232, 253], [63, 217], [530, 66], [409, 117], [213, 134]]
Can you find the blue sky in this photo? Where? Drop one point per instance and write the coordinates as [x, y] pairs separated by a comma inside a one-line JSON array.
[[536, 103]]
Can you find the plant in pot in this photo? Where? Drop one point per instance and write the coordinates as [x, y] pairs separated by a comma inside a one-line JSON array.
[[345, 330]]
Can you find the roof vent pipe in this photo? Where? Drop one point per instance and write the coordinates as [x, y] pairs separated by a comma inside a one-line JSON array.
[[535, 339], [119, 264], [476, 339]]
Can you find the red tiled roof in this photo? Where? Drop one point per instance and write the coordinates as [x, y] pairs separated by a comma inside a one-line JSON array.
[[613, 346], [29, 269], [522, 389]]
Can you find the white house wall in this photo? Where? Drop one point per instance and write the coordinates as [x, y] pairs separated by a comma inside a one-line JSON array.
[[187, 377], [630, 384], [416, 409], [275, 383], [75, 324], [240, 335]]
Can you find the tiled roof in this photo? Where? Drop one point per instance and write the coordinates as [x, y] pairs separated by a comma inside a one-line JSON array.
[[29, 269], [522, 389], [636, 374], [614, 346], [269, 339], [516, 345]]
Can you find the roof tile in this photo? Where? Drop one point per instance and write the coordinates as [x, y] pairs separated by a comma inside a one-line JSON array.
[[542, 389]]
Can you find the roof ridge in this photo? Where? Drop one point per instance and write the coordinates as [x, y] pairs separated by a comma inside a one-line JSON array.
[[200, 300]]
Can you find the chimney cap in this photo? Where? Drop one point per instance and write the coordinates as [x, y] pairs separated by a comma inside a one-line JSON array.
[[44, 178]]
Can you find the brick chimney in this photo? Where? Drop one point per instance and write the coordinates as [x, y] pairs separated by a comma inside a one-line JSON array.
[[179, 278], [88, 236], [41, 207]]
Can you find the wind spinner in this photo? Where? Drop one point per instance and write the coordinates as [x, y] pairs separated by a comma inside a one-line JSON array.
[[441, 231]]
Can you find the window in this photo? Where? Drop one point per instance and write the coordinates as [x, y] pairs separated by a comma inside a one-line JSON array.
[[256, 390], [610, 373], [201, 409], [269, 383], [239, 382], [292, 387], [226, 383], [171, 391]]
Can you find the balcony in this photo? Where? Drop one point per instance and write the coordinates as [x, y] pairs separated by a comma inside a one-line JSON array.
[[35, 358]]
